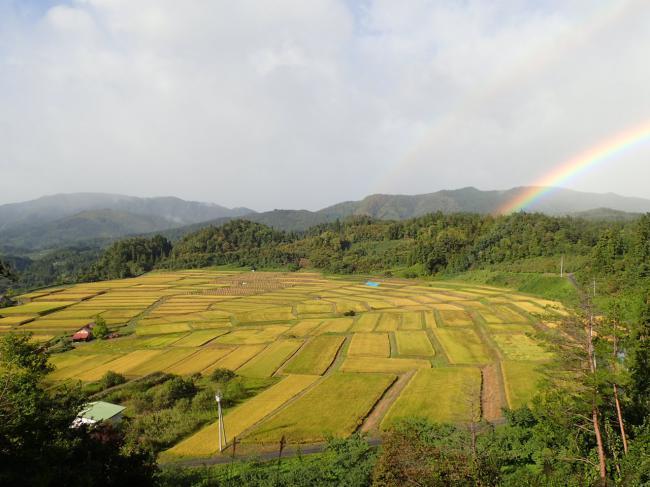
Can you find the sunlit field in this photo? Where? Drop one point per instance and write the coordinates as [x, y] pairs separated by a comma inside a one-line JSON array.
[[335, 346]]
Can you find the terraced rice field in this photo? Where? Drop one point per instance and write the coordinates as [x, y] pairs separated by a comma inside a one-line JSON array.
[[443, 395], [335, 407], [370, 345], [316, 356], [413, 343], [330, 369]]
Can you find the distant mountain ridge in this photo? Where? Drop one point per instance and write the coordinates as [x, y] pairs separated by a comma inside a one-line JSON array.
[[558, 202], [54, 207], [54, 221], [66, 219]]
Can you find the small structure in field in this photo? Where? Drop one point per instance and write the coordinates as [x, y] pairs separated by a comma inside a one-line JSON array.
[[83, 335], [97, 411]]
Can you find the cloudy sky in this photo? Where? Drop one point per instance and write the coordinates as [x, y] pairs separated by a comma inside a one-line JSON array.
[[301, 104]]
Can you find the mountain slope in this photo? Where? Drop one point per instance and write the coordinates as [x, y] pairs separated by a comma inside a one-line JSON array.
[[55, 207], [86, 226], [558, 201]]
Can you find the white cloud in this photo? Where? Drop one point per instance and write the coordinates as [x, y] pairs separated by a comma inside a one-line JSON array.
[[303, 104]]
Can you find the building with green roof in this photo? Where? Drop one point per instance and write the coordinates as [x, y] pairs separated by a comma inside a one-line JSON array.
[[97, 411]]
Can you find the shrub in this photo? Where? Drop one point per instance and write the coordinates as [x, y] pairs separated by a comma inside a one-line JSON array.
[[222, 375], [111, 379], [100, 330], [173, 390]]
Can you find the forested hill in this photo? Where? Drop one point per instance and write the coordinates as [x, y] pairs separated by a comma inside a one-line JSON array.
[[614, 251]]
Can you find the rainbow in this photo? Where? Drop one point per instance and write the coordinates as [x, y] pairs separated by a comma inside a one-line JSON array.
[[578, 164]]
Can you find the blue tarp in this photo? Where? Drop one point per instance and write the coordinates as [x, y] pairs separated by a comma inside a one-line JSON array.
[[372, 284]]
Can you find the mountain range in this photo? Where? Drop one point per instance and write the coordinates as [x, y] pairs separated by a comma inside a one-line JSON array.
[[68, 219]]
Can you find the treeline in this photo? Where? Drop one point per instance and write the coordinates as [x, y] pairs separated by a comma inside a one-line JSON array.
[[431, 244], [615, 253]]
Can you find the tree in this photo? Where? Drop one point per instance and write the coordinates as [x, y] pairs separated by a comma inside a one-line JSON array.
[[100, 330], [6, 272], [35, 430]]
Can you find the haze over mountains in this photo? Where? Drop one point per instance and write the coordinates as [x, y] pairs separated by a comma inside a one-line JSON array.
[[66, 219]]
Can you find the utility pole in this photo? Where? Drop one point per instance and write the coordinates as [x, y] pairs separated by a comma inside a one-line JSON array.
[[594, 287], [222, 430], [562, 266]]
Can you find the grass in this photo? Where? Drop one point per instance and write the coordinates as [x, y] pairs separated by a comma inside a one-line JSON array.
[[414, 343], [520, 380], [518, 346], [369, 344], [430, 320], [335, 407], [462, 346], [316, 356], [242, 417], [383, 365], [442, 395], [269, 360]]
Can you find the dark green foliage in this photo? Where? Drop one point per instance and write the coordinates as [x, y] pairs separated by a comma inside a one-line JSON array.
[[416, 452], [6, 272], [63, 266], [222, 375], [111, 379], [345, 462], [100, 330], [237, 242], [131, 257], [37, 444]]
